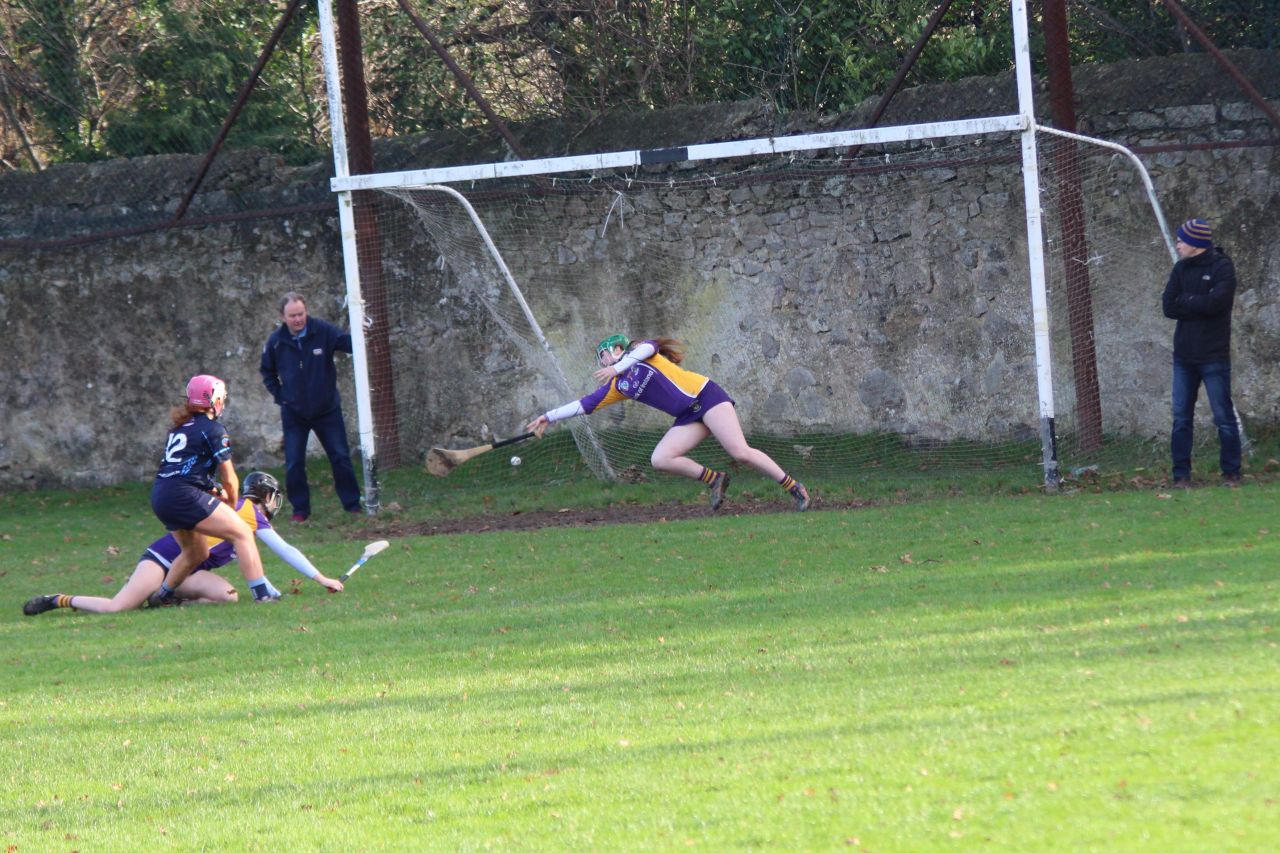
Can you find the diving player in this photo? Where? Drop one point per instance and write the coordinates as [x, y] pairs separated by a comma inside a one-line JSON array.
[[649, 372]]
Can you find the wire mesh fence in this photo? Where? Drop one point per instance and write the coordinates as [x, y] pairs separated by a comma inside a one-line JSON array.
[[84, 80], [87, 81]]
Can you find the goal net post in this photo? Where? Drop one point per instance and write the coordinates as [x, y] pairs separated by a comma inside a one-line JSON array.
[[870, 314], [863, 294]]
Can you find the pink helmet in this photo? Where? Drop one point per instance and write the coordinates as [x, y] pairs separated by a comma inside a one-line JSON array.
[[207, 392]]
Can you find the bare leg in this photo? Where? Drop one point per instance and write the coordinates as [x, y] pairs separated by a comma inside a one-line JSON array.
[[207, 588], [203, 587], [670, 456], [224, 523], [195, 550], [144, 581], [722, 421]]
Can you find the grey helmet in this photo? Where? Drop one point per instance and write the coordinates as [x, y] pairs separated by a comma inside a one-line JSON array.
[[264, 489]]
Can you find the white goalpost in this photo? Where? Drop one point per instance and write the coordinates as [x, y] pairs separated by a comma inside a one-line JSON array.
[[892, 258], [1035, 244], [350, 260]]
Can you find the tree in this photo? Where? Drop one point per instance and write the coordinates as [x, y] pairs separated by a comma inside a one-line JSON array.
[[192, 70], [92, 78], [64, 69]]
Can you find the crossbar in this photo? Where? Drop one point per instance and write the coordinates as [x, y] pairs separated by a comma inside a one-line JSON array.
[[680, 154]]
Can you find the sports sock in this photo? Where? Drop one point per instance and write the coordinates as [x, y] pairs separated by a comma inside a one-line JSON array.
[[708, 476], [262, 588], [64, 601], [163, 596], [787, 482]]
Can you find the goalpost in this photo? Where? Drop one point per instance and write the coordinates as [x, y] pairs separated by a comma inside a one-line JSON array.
[[768, 257]]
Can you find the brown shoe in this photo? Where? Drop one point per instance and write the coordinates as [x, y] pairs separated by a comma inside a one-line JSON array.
[[1231, 481], [1181, 482]]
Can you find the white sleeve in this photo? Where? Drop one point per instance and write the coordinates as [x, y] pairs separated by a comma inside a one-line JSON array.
[[287, 552], [568, 410], [638, 354]]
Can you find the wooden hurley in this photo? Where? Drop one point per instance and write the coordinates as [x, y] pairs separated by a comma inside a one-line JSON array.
[[441, 461]]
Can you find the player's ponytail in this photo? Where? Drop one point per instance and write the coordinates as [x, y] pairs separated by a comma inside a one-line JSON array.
[[671, 349], [183, 412]]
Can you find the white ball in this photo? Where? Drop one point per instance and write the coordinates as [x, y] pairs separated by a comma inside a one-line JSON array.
[[515, 460]]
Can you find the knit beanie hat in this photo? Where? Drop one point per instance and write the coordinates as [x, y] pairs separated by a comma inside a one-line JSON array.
[[1196, 232]]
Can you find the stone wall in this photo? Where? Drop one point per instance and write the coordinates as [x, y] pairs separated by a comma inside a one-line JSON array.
[[100, 338]]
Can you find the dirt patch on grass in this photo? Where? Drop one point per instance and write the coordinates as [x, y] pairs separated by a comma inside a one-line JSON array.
[[590, 517], [390, 527]]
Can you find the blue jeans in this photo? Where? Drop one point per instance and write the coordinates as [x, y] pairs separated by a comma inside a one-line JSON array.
[[1216, 377], [332, 433]]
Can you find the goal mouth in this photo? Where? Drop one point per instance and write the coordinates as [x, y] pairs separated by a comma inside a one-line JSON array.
[[867, 308]]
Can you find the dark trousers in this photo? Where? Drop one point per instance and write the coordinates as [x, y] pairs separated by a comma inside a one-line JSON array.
[[332, 433], [1216, 377]]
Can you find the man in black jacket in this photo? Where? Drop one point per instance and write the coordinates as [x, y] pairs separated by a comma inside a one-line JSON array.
[[1199, 295], [297, 368]]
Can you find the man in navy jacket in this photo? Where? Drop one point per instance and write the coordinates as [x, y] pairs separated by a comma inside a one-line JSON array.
[[1199, 295], [298, 370]]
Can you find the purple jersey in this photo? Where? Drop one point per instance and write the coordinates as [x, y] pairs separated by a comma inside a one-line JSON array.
[[166, 549], [193, 451], [657, 381]]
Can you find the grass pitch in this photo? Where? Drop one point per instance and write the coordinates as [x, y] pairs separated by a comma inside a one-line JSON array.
[[1057, 673]]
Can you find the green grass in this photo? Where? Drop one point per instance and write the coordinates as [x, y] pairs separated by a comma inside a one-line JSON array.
[[842, 469], [1095, 671]]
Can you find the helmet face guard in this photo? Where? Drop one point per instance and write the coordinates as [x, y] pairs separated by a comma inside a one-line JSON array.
[[207, 392], [264, 489], [609, 343]]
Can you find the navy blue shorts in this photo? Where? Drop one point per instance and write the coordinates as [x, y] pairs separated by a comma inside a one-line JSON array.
[[710, 395], [180, 505]]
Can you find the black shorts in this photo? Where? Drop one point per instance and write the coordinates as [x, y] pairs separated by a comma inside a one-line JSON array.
[[180, 505]]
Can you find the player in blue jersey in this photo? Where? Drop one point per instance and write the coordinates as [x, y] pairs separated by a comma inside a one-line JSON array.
[[259, 504], [649, 372], [186, 497]]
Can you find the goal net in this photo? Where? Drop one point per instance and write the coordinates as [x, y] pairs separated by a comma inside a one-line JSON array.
[[869, 310], [1108, 252]]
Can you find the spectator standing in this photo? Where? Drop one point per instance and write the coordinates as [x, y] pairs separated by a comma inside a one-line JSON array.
[[298, 370], [1199, 296]]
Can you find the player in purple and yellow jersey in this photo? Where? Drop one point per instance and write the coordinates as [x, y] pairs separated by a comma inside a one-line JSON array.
[[649, 372], [185, 496], [259, 504]]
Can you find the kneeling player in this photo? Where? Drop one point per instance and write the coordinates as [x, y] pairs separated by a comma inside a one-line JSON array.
[[258, 505]]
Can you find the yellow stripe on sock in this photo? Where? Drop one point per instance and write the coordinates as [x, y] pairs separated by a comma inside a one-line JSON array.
[[64, 601], [787, 482]]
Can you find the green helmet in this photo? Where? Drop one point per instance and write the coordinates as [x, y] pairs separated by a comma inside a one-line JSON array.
[[612, 341]]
